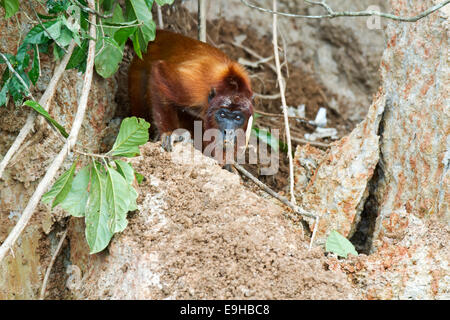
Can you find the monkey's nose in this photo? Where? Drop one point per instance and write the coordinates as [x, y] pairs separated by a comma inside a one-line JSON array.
[[229, 137]]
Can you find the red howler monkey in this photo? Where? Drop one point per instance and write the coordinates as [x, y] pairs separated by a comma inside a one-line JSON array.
[[180, 80]]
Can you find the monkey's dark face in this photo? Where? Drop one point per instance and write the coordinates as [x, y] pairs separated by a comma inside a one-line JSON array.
[[231, 116], [228, 122]]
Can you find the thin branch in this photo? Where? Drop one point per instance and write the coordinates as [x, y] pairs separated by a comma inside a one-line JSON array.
[[160, 18], [316, 226], [256, 55], [282, 199], [202, 20], [313, 143], [283, 102], [50, 266], [332, 14], [276, 115], [44, 102], [267, 97], [93, 11], [59, 159]]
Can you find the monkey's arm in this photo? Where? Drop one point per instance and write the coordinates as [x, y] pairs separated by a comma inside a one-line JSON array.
[[165, 91]]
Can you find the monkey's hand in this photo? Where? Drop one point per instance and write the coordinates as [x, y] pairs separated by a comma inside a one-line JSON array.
[[169, 138]]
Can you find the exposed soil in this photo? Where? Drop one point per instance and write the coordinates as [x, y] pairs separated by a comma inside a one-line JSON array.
[[199, 234]]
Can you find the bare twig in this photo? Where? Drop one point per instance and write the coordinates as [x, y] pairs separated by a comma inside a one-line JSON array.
[[332, 14], [256, 55], [282, 199], [202, 20], [160, 18], [59, 159], [93, 11], [276, 115], [266, 97], [283, 102], [316, 226], [313, 143], [44, 102], [50, 266]]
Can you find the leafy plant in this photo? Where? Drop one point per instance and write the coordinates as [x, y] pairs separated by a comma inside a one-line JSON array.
[[339, 245], [102, 192], [67, 20], [266, 137]]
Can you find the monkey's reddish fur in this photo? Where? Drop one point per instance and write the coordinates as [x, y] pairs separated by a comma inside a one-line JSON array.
[[172, 82]]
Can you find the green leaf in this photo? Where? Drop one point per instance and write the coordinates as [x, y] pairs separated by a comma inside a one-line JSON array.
[[39, 109], [79, 57], [35, 68], [118, 199], [133, 133], [38, 35], [127, 171], [3, 93], [122, 35], [139, 177], [65, 37], [76, 200], [56, 6], [267, 138], [108, 57], [138, 9], [339, 245], [61, 187], [10, 6], [97, 232], [163, 2], [116, 19]]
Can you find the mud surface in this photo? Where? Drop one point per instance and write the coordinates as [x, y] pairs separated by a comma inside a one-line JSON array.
[[200, 234]]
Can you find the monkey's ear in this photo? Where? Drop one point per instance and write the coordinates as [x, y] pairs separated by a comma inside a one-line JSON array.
[[212, 94]]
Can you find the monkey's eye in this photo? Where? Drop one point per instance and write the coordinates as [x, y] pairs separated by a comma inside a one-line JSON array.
[[222, 114], [238, 118]]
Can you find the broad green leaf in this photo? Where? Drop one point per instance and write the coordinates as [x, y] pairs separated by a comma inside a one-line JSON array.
[[138, 9], [133, 133], [65, 37], [122, 35], [163, 2], [38, 108], [35, 68], [126, 170], [38, 35], [108, 57], [339, 245], [79, 56], [97, 231], [116, 19], [75, 202], [3, 93], [136, 45], [61, 187], [10, 6], [118, 199]]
